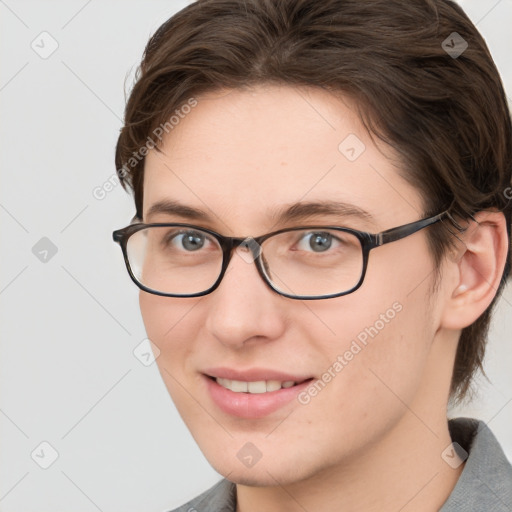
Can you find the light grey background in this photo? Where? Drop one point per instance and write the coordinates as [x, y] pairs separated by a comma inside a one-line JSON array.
[[69, 326]]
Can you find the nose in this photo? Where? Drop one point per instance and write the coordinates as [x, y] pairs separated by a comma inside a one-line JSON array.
[[243, 310]]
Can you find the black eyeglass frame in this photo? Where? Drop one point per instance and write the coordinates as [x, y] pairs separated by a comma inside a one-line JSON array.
[[367, 240]]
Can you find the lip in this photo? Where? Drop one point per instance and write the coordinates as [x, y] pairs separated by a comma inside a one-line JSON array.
[[251, 405], [253, 374]]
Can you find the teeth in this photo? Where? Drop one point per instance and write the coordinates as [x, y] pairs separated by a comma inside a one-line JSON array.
[[273, 385], [239, 386], [260, 386]]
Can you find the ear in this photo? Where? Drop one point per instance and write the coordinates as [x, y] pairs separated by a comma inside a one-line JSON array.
[[478, 268]]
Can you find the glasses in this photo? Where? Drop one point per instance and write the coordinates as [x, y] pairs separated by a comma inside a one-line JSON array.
[[312, 262]]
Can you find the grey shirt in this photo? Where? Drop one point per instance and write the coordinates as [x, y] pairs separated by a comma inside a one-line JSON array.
[[485, 484]]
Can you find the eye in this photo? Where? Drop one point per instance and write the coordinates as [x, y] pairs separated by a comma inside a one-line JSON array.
[[189, 240], [319, 241]]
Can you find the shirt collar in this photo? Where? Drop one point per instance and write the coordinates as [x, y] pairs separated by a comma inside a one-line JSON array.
[[486, 480]]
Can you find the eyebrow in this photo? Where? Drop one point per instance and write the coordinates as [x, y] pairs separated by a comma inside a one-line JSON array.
[[288, 213]]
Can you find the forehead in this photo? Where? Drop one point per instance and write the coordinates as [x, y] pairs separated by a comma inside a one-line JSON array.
[[240, 153]]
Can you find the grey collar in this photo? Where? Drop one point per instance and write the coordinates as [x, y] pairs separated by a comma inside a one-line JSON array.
[[486, 481]]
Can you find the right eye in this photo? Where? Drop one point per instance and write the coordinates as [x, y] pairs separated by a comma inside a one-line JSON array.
[[317, 242], [189, 241]]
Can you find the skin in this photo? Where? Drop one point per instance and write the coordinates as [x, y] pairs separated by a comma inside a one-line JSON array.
[[372, 439]]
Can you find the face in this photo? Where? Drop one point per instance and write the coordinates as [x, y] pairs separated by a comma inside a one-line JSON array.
[[242, 157]]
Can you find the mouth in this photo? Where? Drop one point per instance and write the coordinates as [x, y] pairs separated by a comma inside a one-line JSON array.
[[257, 386], [253, 397]]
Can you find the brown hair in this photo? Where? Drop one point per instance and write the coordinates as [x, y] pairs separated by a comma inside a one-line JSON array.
[[445, 114]]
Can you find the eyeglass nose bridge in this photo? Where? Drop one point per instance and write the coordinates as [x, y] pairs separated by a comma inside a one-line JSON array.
[[252, 252], [251, 248]]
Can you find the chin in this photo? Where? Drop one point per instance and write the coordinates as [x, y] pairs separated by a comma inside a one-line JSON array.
[[251, 480], [260, 478], [265, 473]]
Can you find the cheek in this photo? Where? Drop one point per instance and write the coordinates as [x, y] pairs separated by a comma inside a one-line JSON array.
[[381, 342], [168, 325], [166, 319], [374, 372]]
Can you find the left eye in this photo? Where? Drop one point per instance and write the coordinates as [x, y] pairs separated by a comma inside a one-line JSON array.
[[319, 241]]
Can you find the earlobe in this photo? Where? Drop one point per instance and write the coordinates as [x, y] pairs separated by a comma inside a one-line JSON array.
[[479, 268]]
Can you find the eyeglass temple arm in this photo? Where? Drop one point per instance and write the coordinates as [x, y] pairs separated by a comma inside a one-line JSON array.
[[393, 234]]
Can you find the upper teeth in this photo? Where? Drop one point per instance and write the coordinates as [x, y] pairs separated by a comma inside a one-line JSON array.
[[260, 386]]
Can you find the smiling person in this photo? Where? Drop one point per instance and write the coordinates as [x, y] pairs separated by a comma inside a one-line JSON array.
[[322, 227]]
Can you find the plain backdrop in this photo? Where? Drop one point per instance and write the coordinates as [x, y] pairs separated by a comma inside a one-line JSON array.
[[70, 321]]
